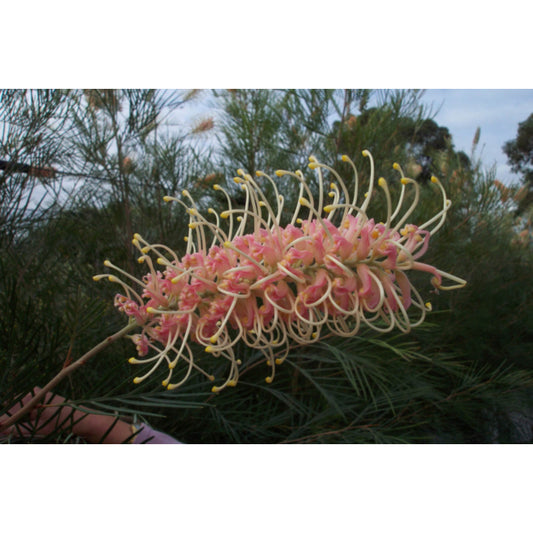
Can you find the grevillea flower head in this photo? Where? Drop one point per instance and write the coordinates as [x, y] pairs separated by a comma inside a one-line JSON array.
[[245, 277]]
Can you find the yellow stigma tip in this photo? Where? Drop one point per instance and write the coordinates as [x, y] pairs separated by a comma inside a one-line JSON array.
[[132, 360], [328, 208], [279, 361], [208, 349], [112, 278], [382, 182], [240, 171], [213, 339], [428, 305], [345, 158], [232, 383], [137, 380], [165, 383], [404, 181], [434, 179], [395, 166], [227, 244], [167, 198], [365, 153], [224, 214], [268, 379], [150, 310], [279, 173], [107, 263], [215, 389], [313, 165], [258, 173], [216, 187], [141, 259]]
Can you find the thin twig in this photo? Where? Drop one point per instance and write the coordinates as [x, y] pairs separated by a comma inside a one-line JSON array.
[[67, 370]]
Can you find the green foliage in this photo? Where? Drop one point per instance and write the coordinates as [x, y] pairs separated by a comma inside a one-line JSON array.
[[520, 150], [464, 376], [520, 154]]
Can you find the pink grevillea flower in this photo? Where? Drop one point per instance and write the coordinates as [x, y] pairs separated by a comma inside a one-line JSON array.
[[246, 278]]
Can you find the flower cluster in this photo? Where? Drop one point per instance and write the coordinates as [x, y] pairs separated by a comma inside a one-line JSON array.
[[253, 280]]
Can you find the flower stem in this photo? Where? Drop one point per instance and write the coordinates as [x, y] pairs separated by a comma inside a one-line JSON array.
[[67, 370]]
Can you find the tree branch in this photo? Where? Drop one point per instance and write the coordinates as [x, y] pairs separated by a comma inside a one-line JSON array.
[[67, 370]]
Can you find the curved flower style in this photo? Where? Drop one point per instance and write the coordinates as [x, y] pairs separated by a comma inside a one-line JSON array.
[[268, 285]]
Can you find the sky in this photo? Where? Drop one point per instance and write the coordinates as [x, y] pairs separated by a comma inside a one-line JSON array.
[[496, 111]]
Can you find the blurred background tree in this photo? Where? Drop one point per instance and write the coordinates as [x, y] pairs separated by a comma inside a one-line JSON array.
[[519, 152], [464, 376]]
